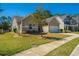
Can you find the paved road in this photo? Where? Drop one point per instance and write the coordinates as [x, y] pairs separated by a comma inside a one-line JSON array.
[[46, 48]]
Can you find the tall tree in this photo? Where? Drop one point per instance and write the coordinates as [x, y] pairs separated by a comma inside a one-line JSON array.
[[47, 14], [5, 23], [40, 14]]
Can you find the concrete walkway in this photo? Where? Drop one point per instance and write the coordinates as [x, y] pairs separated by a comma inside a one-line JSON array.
[[75, 51], [46, 48]]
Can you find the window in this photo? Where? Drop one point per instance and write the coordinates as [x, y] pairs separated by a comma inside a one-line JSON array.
[[30, 26]]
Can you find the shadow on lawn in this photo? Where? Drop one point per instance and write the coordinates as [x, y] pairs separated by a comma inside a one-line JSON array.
[[42, 35], [53, 38], [30, 33], [37, 33]]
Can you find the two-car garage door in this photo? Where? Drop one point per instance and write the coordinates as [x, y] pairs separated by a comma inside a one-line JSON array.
[[54, 28]]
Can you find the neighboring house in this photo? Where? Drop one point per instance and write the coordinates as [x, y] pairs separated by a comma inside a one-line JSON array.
[[61, 24], [76, 17], [26, 24], [71, 23]]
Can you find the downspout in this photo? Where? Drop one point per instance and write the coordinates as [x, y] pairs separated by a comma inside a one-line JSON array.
[[48, 27], [21, 27], [12, 25]]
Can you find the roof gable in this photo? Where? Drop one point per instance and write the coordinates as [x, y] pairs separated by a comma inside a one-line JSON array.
[[18, 19], [57, 18]]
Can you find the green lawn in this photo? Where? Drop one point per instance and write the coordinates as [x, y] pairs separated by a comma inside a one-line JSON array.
[[10, 45], [66, 49], [76, 32]]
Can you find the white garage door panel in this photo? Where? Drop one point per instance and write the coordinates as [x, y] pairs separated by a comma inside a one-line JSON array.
[[45, 29], [54, 29]]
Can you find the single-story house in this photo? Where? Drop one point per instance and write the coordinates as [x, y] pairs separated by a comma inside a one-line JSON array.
[[26, 24]]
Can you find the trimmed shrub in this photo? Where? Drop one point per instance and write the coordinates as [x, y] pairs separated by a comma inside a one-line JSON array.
[[15, 30], [61, 30]]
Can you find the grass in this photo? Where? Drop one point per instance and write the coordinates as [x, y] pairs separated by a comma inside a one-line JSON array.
[[10, 45], [66, 49], [76, 32]]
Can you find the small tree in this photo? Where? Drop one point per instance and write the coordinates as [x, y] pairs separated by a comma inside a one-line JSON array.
[[5, 25]]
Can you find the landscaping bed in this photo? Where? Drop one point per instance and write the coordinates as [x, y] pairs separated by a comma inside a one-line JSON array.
[[55, 36]]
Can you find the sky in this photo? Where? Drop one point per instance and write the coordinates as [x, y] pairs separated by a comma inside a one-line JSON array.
[[24, 9]]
